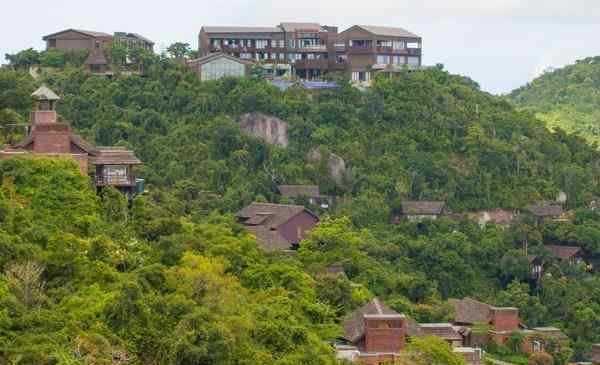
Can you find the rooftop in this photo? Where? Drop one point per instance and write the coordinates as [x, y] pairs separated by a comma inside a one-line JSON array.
[[563, 252], [388, 31], [44, 93], [294, 191], [422, 207], [227, 29]]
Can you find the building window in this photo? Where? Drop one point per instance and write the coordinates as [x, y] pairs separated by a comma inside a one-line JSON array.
[[246, 56], [398, 45], [216, 43], [51, 43], [413, 45], [414, 61], [262, 43], [399, 60], [383, 59], [361, 76], [97, 44]]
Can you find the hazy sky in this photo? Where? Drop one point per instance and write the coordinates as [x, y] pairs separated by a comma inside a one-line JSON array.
[[502, 44]]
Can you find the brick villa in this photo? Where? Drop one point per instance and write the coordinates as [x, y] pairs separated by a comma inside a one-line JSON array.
[[278, 227], [47, 136]]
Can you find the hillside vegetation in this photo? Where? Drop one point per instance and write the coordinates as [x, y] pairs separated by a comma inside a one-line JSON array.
[[173, 280], [567, 98]]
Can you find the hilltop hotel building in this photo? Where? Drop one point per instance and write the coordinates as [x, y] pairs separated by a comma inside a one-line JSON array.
[[309, 50]]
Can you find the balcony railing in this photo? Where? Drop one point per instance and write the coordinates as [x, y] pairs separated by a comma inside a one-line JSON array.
[[115, 180]]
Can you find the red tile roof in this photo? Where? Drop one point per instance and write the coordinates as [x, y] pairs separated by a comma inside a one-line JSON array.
[[564, 252], [295, 191]]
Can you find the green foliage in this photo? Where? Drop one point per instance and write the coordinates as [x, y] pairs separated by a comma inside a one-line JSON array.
[[566, 98], [433, 351]]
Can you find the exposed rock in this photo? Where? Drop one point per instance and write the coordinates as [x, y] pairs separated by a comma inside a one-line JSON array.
[[335, 164], [268, 128]]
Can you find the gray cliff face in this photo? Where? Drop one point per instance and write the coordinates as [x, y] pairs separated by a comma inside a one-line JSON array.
[[335, 164], [268, 128]]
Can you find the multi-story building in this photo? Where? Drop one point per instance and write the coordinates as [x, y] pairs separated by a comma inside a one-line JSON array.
[[309, 50], [369, 49], [95, 43]]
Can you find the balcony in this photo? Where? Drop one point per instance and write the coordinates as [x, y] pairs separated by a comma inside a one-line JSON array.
[[360, 50], [399, 51], [115, 180]]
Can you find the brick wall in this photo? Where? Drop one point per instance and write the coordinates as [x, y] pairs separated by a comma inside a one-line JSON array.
[[384, 333], [505, 319]]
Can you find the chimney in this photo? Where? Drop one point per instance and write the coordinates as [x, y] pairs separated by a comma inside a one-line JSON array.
[[384, 332], [45, 110], [505, 319]]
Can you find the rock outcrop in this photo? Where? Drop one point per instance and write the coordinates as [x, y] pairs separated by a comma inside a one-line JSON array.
[[268, 128], [335, 164]]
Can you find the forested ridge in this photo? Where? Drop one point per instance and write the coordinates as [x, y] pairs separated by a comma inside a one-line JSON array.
[[566, 98], [172, 279]]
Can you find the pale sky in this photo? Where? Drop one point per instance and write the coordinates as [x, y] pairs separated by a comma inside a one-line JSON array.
[[502, 44]]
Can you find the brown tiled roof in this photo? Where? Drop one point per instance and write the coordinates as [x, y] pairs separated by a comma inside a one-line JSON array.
[[270, 240], [546, 210], [443, 330], [277, 214], [471, 311], [115, 156], [85, 32], [388, 31], [241, 29], [82, 143], [294, 191], [422, 207], [563, 252], [354, 326], [552, 332], [413, 328], [292, 27], [44, 93]]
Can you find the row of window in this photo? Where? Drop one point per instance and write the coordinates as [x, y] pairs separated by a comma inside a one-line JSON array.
[[397, 60], [251, 43], [260, 56], [396, 45]]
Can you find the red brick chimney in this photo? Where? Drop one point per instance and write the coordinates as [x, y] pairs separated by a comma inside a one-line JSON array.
[[505, 319], [384, 332]]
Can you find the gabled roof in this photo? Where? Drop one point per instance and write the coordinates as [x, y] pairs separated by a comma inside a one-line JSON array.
[[276, 214], [88, 33], [564, 252], [546, 210], [471, 311], [44, 93], [211, 29], [114, 156], [354, 326], [294, 191], [422, 207], [292, 27], [214, 56], [387, 31], [270, 240], [445, 331]]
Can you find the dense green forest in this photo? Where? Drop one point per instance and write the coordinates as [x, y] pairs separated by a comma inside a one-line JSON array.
[[567, 98], [172, 279]]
